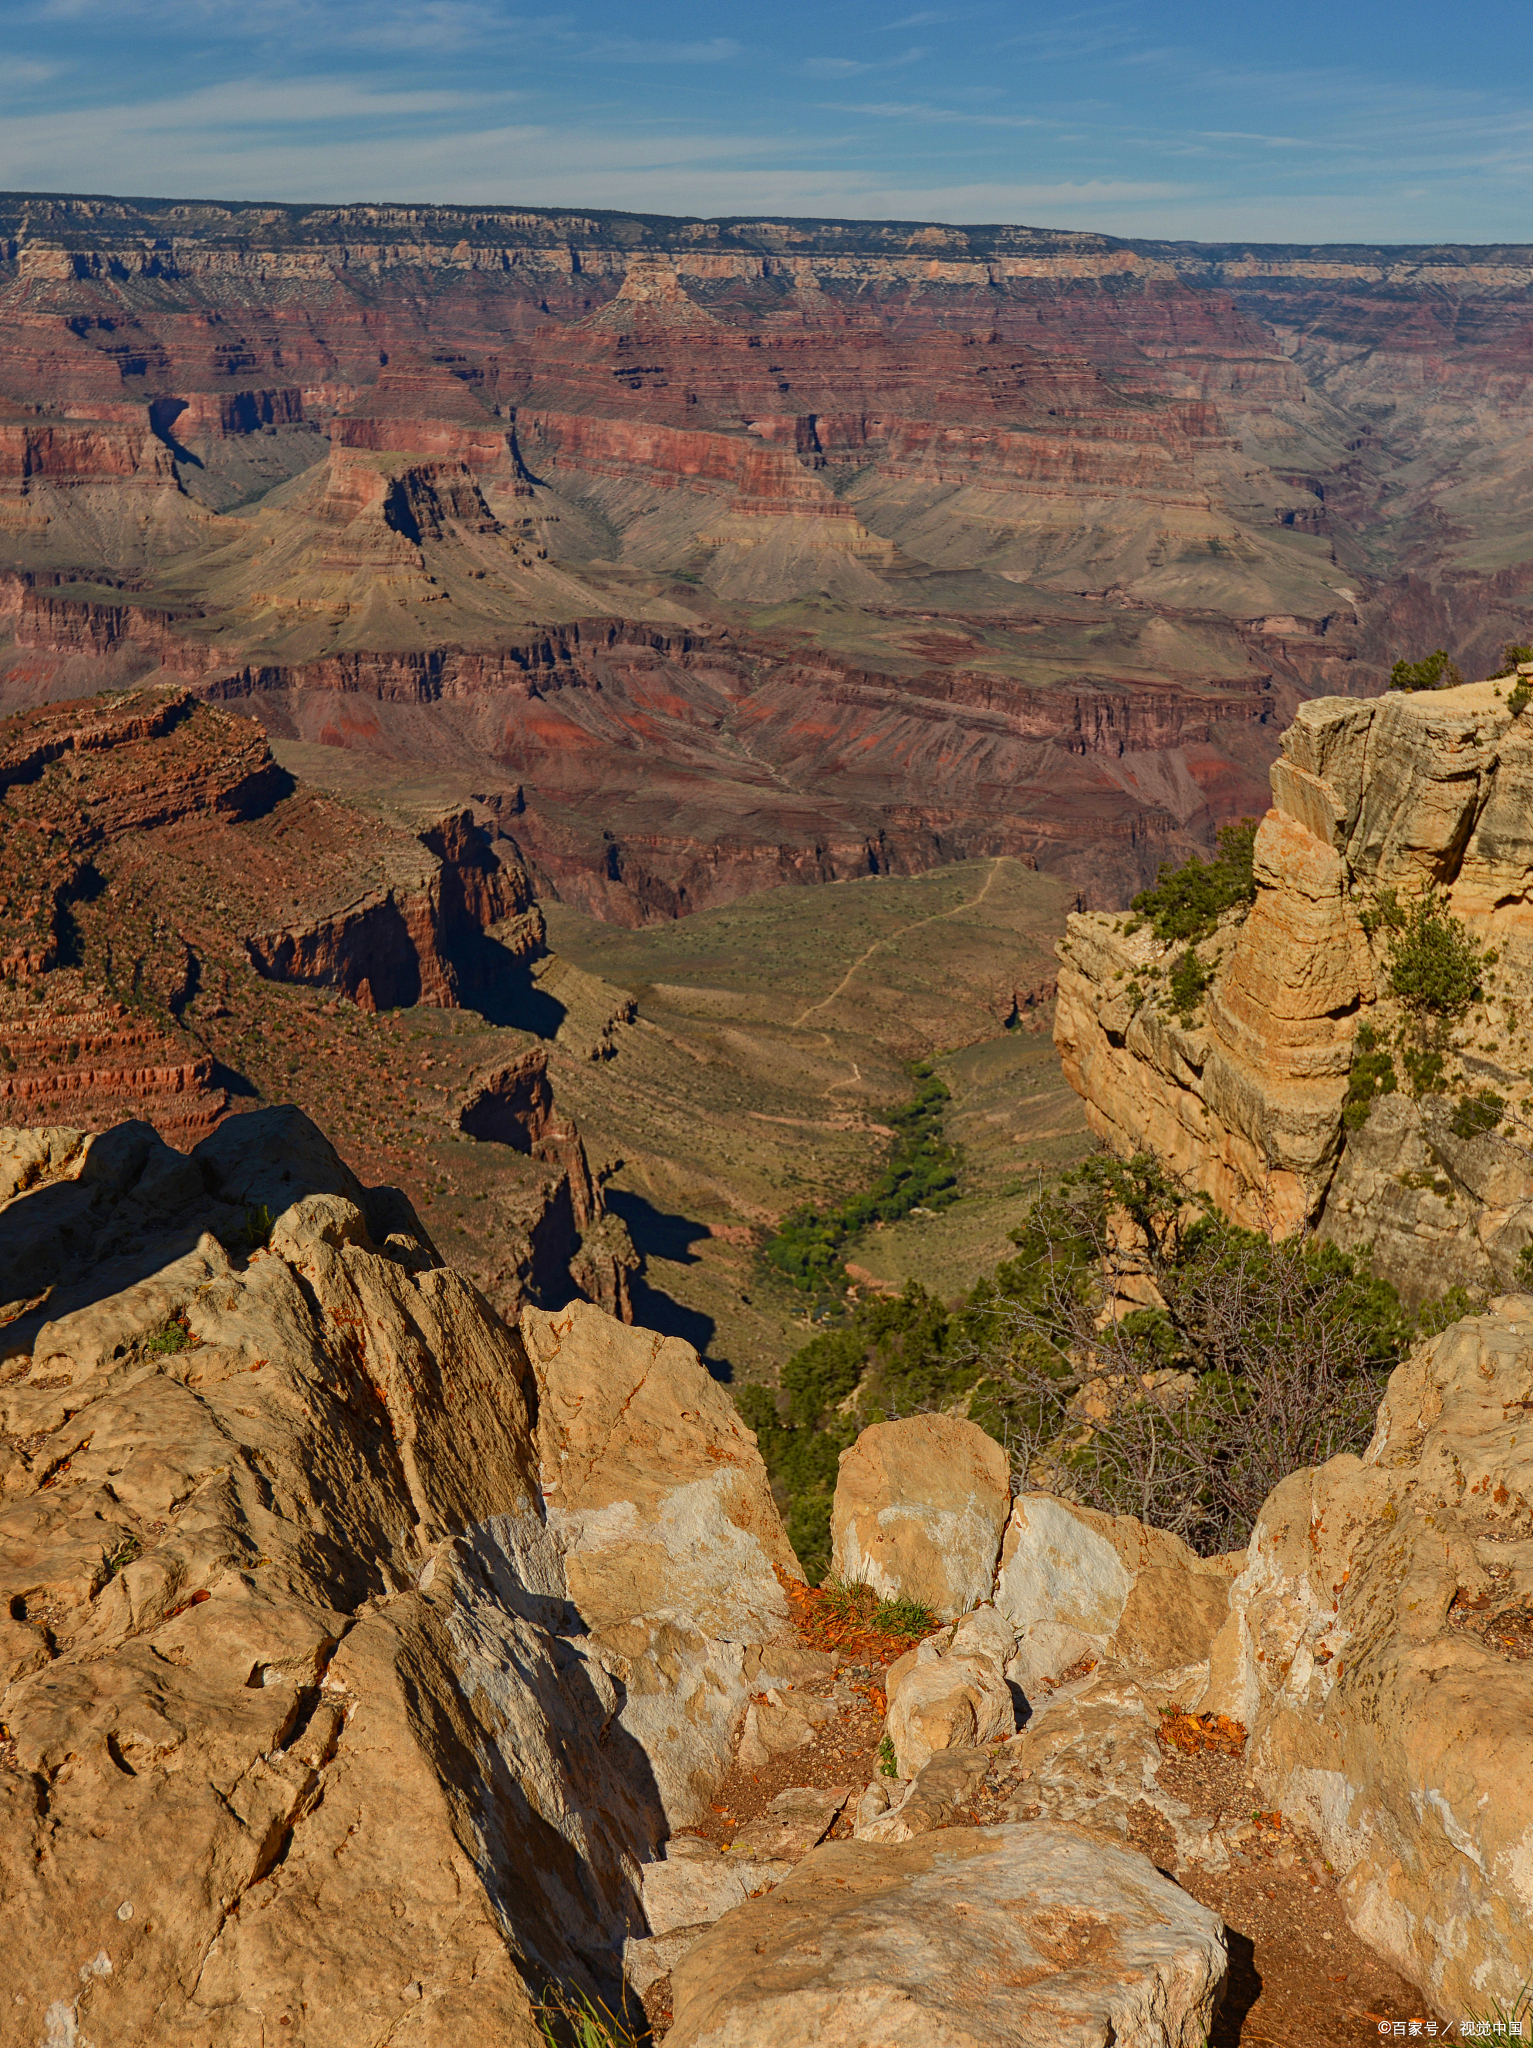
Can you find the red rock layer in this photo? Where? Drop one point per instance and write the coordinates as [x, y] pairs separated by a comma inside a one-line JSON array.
[[144, 837], [746, 386]]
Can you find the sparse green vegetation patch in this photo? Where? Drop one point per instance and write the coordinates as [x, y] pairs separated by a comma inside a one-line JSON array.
[[1474, 1115], [1186, 903], [920, 1170], [1259, 1357], [1434, 964], [1187, 986], [1434, 671]]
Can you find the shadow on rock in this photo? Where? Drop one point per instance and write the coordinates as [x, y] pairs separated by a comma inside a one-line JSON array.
[[499, 984], [656, 1234]]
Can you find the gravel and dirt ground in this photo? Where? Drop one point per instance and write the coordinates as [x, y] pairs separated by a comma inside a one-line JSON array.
[[1299, 1977]]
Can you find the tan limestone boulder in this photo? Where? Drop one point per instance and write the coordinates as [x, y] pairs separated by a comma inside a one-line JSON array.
[[673, 1552], [951, 1691], [919, 1510], [293, 1737], [891, 1812], [1371, 1650], [697, 1882], [1079, 1585], [1004, 1937]]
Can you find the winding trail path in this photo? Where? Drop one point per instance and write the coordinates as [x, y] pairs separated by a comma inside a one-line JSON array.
[[888, 940]]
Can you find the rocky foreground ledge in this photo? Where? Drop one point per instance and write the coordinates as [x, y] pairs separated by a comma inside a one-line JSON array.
[[369, 1667]]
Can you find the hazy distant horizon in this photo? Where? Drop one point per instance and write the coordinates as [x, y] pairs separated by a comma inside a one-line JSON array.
[[1357, 123]]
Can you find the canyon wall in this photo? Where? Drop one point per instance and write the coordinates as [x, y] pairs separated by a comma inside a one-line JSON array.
[[872, 468], [1379, 808], [149, 837]]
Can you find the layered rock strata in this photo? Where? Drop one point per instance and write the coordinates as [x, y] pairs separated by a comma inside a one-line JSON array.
[[1375, 805]]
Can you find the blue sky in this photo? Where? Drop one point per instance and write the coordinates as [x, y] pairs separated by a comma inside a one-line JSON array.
[[1292, 122]]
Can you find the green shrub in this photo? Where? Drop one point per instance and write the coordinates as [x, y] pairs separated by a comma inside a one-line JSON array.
[[1434, 965], [888, 1762], [1433, 1317], [1186, 903], [891, 1356], [1474, 1115], [1424, 1069], [1187, 987], [920, 1170], [1372, 1075], [1433, 672], [1261, 1357], [1521, 694], [1382, 913], [172, 1337]]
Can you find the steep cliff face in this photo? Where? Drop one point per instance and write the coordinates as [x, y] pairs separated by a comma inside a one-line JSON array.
[[148, 839], [402, 941], [1378, 808]]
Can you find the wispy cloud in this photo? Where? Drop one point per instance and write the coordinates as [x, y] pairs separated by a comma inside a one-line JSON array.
[[1101, 115], [629, 50], [925, 114]]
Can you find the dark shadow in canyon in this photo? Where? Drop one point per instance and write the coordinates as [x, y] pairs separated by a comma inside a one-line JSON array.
[[657, 1235], [500, 986]]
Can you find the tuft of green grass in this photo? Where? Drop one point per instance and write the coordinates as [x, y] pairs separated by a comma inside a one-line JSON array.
[[173, 1337], [857, 1603], [258, 1224], [122, 1553], [903, 1618], [1512, 2022], [570, 2019]]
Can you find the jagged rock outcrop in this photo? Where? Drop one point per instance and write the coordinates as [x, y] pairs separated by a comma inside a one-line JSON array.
[[1081, 1587], [951, 1691], [671, 1544], [514, 1105], [399, 943], [295, 1724], [1376, 1649], [1405, 793], [304, 1723]]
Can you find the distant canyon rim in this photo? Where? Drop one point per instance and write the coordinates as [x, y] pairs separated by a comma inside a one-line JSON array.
[[705, 555]]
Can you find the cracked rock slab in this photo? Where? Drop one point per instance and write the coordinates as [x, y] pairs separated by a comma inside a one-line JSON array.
[[919, 1511], [1004, 1937], [291, 1740], [795, 1821]]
